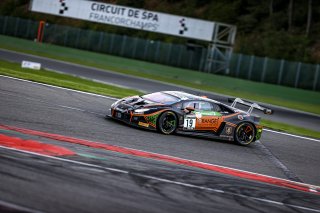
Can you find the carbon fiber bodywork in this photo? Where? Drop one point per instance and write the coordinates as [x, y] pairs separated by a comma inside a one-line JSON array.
[[216, 119]]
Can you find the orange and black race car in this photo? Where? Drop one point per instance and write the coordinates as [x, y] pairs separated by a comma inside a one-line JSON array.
[[175, 111]]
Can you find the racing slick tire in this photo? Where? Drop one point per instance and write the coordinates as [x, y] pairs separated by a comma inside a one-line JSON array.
[[244, 134], [167, 123]]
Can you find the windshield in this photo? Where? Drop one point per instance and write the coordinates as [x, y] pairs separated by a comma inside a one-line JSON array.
[[160, 97]]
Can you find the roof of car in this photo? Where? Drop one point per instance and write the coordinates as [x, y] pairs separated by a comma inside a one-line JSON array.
[[187, 96]]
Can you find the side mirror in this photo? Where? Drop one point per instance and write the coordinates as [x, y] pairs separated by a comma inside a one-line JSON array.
[[190, 109], [268, 111]]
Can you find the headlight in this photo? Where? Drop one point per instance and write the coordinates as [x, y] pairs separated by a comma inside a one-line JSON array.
[[141, 110]]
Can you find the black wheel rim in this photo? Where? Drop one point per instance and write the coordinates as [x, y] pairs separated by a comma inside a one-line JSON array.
[[245, 133], [168, 123]]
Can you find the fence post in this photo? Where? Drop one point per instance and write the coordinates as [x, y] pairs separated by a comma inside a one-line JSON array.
[[208, 63], [157, 52], [111, 45], [264, 69], [202, 60], [41, 30], [190, 60], [297, 75], [134, 47], [124, 41], [316, 75], [54, 34], [280, 71], [146, 47], [65, 40], [179, 57], [89, 39], [251, 66], [4, 25], [238, 64], [28, 28], [169, 53], [100, 41], [78, 38], [16, 26]]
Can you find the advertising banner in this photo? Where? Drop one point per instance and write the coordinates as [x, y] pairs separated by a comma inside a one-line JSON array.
[[127, 17]]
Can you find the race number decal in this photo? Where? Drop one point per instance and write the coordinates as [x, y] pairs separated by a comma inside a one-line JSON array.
[[189, 123]]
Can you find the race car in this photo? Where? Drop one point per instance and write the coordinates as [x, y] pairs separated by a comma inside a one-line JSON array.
[[175, 111]]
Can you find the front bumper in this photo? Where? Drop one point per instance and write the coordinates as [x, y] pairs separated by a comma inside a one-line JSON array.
[[138, 120]]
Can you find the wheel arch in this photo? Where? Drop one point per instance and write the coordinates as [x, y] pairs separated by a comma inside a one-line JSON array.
[[164, 111], [254, 127]]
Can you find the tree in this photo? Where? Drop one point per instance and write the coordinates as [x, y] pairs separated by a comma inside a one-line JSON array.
[[309, 17], [290, 9], [271, 8]]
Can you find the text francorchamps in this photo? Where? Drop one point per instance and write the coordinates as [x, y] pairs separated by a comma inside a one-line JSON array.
[[127, 17]]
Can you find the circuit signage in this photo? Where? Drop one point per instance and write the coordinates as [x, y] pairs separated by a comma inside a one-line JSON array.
[[127, 17]]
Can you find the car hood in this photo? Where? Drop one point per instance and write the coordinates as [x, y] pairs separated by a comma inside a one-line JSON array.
[[136, 102]]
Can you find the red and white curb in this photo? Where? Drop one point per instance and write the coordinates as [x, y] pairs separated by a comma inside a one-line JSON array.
[[175, 160]]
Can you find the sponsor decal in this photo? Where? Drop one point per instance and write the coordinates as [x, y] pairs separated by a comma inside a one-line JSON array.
[[143, 124], [209, 113], [31, 65], [152, 119], [240, 117], [231, 124], [209, 121], [229, 130]]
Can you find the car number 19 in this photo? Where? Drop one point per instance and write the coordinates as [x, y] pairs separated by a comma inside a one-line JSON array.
[[189, 123]]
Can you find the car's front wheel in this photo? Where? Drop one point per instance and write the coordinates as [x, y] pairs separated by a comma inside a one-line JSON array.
[[167, 123], [245, 133]]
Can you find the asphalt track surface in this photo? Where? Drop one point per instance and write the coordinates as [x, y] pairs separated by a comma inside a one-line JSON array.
[[96, 180], [297, 118]]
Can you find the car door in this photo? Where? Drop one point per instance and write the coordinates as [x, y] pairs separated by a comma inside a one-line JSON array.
[[205, 117]]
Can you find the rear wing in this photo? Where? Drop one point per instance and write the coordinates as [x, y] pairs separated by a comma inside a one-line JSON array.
[[252, 105]]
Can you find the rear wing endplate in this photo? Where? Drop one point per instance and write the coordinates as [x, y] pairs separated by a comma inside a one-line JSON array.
[[252, 105]]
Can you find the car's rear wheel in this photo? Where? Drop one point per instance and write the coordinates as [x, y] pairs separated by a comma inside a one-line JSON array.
[[167, 123], [245, 133]]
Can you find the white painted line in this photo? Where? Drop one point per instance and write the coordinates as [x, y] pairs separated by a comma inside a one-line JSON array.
[[296, 136], [111, 98], [165, 180]]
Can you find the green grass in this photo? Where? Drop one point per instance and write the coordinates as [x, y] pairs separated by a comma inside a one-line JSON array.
[[63, 80], [282, 127], [299, 99]]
